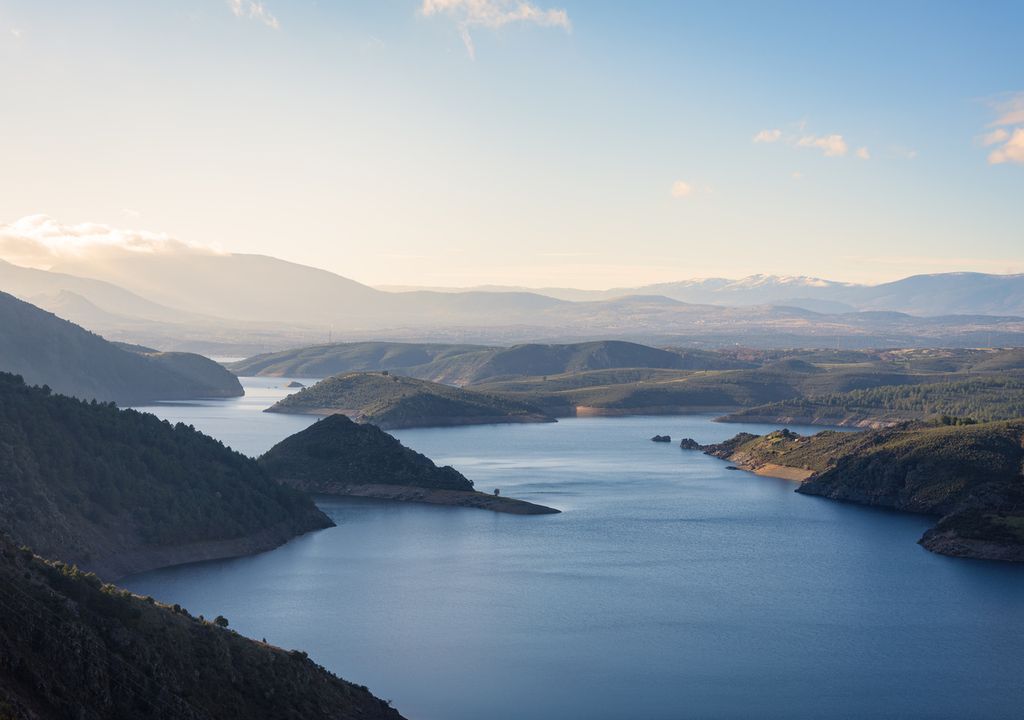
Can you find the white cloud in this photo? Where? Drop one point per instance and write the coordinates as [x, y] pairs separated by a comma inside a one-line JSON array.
[[493, 14], [768, 136], [254, 10], [1012, 151], [681, 189], [996, 136], [1009, 109], [41, 241], [830, 145], [863, 153], [1008, 136]]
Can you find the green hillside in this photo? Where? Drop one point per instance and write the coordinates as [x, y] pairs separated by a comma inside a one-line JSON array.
[[968, 474], [72, 647], [47, 350], [390, 401], [981, 398], [118, 491]]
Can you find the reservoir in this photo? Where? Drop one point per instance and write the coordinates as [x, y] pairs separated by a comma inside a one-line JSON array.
[[669, 587]]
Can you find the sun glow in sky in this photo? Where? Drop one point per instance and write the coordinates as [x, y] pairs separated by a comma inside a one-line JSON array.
[[582, 143]]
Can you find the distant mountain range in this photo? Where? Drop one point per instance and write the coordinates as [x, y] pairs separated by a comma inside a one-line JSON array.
[[958, 293], [237, 304]]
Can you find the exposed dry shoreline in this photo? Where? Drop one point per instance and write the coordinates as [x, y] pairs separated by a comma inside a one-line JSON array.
[[435, 421], [121, 564], [452, 498]]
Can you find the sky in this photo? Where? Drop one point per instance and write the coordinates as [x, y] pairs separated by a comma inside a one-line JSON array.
[[585, 143]]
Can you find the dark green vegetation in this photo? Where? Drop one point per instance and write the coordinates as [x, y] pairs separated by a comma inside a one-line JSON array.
[[467, 364], [389, 401], [984, 398], [47, 350], [336, 456], [337, 450], [117, 491], [72, 647], [970, 475]]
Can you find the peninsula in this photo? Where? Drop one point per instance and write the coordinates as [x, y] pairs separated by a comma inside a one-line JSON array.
[[336, 456], [969, 476]]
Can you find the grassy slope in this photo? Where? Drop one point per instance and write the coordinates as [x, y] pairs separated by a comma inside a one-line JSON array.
[[113, 490], [465, 364], [72, 647]]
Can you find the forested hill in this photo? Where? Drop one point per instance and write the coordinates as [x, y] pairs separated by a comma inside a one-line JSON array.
[[47, 350], [982, 398], [117, 491], [71, 647], [336, 450]]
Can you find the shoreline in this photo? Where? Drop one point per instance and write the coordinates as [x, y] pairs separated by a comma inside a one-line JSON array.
[[123, 564], [432, 496]]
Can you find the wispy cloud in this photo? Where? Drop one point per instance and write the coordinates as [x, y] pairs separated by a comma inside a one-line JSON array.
[[681, 189], [830, 145], [833, 145], [254, 10], [768, 136], [41, 241], [1007, 137], [493, 14]]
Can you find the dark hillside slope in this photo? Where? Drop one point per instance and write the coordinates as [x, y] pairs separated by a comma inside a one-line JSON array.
[[71, 647], [337, 450], [119, 491], [46, 350], [336, 456]]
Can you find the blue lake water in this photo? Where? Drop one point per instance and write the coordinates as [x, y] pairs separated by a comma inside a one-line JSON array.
[[668, 588]]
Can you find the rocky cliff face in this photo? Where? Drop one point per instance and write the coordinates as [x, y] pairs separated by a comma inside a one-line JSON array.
[[71, 647]]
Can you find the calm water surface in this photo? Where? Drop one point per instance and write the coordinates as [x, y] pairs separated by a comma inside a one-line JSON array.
[[668, 588]]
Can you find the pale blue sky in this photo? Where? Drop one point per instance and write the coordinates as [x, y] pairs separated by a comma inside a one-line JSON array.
[[365, 137]]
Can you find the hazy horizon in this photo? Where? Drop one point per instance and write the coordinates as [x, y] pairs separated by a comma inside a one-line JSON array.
[[458, 143]]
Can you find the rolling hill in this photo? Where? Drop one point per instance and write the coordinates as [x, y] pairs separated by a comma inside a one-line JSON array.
[[390, 401], [47, 350], [468, 364]]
